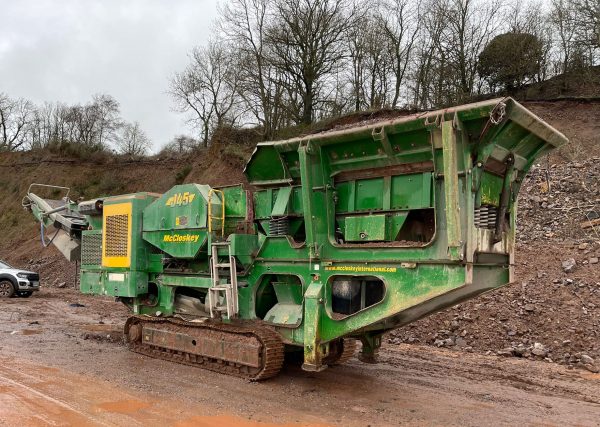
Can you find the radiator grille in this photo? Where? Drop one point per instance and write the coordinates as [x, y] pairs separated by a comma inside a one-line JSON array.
[[485, 216], [91, 249], [116, 235]]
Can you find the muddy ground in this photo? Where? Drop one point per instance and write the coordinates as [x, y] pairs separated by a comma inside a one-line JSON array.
[[65, 365]]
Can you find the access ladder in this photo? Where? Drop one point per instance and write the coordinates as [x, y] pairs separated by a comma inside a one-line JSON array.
[[223, 297]]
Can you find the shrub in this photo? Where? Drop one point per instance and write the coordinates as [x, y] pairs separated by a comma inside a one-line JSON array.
[[182, 174], [511, 59]]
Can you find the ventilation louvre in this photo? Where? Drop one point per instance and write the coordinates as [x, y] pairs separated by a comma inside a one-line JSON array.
[[116, 235], [91, 249]]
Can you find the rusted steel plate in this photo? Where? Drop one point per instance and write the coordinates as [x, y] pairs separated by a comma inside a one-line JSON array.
[[232, 348]]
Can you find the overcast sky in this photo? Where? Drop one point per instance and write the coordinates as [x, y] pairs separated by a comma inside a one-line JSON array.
[[68, 50]]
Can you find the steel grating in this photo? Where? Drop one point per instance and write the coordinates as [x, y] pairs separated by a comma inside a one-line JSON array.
[[91, 249], [117, 235]]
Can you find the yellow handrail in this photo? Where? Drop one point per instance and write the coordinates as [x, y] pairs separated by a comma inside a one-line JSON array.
[[210, 212]]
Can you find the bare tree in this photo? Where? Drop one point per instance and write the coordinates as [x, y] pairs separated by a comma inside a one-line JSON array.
[[400, 20], [180, 144], [376, 60], [106, 116], [208, 88], [369, 64], [244, 25], [191, 96], [306, 43], [588, 18], [562, 16], [431, 58], [15, 115], [297, 61], [132, 140], [471, 25]]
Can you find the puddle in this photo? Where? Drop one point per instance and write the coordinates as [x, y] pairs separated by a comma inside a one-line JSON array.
[[101, 328], [124, 406], [591, 376], [231, 421], [31, 331]]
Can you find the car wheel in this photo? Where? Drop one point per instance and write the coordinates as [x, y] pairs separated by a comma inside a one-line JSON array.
[[25, 294], [7, 289]]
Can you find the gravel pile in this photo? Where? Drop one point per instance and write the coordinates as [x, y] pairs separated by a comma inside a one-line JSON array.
[[555, 201], [552, 311]]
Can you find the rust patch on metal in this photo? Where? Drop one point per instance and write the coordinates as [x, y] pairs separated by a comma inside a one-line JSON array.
[[402, 169]]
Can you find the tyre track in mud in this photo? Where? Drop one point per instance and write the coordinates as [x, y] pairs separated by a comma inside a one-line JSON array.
[[540, 377]]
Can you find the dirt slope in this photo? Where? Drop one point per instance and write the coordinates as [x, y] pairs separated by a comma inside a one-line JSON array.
[[88, 179]]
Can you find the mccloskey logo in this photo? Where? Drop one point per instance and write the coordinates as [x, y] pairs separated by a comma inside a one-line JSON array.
[[180, 238]]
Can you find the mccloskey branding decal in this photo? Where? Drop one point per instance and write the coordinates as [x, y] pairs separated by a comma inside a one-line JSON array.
[[180, 238], [361, 269]]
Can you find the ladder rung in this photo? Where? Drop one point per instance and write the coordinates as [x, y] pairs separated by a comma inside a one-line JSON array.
[[223, 265]]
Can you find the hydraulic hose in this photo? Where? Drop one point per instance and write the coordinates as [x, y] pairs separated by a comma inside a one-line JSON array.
[[42, 235]]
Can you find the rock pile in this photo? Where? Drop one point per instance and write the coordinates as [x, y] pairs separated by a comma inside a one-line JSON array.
[[552, 312], [555, 201]]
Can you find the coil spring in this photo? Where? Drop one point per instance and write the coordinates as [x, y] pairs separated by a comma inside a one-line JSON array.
[[279, 226], [485, 216]]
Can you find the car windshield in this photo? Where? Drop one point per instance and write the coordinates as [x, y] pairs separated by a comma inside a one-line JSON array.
[[4, 265]]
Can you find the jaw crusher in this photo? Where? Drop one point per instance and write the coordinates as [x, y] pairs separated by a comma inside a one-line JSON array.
[[339, 237]]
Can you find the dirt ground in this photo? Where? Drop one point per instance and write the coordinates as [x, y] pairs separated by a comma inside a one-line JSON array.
[[65, 365]]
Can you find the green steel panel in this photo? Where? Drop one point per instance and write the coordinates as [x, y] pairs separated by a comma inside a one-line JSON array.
[[369, 194], [264, 201], [176, 223], [90, 282], [372, 227], [280, 207], [491, 187], [365, 228], [412, 191], [453, 228], [235, 201], [267, 165]]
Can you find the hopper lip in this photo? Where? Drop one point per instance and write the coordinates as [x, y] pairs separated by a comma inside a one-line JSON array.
[[491, 103], [515, 111]]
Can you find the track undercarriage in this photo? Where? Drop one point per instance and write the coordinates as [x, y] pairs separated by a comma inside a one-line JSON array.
[[246, 350]]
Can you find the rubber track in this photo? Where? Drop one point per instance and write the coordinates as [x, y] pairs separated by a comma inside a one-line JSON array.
[[272, 354]]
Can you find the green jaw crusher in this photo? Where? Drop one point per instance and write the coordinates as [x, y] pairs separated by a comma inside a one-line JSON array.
[[341, 236]]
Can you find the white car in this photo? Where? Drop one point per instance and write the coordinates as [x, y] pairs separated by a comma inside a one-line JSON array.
[[16, 282]]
